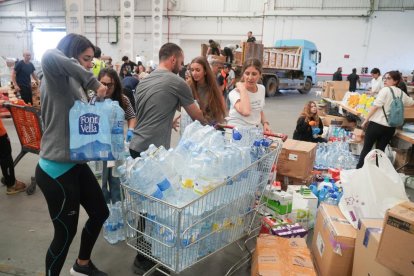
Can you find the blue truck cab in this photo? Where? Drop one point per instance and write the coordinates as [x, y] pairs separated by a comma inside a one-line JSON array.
[[301, 75]]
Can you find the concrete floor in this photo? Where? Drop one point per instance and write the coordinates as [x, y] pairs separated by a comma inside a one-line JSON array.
[[26, 229]]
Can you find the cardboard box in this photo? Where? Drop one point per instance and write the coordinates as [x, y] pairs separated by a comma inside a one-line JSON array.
[[335, 90], [278, 201], [409, 112], [287, 181], [296, 159], [337, 121], [276, 256], [366, 248], [221, 59], [290, 231], [333, 242], [396, 249], [402, 156]]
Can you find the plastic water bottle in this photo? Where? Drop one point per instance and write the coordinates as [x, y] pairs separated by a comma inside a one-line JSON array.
[[117, 129], [142, 178], [123, 156], [191, 129], [149, 152], [254, 152], [332, 200], [120, 219], [313, 187], [264, 147], [322, 194], [111, 227]]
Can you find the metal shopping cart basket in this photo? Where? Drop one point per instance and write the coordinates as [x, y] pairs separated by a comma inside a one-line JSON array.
[[178, 238], [27, 122]]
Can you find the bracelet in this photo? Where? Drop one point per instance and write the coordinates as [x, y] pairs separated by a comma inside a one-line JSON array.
[[265, 122]]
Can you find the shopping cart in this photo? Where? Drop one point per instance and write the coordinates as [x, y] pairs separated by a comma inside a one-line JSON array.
[[177, 238], [27, 122]]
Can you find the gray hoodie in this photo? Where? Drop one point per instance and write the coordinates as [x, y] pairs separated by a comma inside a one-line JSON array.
[[64, 81]]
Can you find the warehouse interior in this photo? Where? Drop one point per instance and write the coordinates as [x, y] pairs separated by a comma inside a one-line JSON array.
[[353, 34]]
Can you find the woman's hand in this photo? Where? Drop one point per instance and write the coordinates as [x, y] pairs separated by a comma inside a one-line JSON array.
[[266, 127], [240, 86], [101, 91], [176, 123], [364, 124]]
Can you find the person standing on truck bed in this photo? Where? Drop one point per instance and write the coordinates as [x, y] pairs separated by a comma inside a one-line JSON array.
[[250, 37], [214, 48], [337, 76]]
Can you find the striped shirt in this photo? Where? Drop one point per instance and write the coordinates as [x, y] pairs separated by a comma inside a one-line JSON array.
[[129, 111]]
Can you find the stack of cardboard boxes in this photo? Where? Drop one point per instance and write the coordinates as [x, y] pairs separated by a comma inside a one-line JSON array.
[[380, 247]]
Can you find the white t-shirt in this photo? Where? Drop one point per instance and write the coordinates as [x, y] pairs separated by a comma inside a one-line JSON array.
[[257, 102], [384, 99], [376, 85]]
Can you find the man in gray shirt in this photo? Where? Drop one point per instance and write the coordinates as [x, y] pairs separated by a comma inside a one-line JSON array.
[[157, 98]]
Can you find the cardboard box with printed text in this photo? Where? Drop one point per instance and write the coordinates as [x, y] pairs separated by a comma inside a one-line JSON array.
[[396, 249], [333, 242], [366, 248]]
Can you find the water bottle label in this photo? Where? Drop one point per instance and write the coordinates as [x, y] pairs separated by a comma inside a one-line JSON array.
[[187, 183], [113, 227], [89, 124]]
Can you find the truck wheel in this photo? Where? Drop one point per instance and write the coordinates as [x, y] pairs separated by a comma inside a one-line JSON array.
[[271, 85], [306, 87]]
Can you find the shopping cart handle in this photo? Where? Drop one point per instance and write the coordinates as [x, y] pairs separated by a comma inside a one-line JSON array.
[[217, 126], [277, 135]]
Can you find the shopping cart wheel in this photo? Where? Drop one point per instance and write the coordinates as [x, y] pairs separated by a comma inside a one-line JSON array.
[[32, 187]]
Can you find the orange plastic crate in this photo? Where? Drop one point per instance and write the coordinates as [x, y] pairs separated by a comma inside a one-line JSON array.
[[27, 126]]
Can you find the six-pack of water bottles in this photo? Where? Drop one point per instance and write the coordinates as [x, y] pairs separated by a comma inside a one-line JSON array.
[[96, 130]]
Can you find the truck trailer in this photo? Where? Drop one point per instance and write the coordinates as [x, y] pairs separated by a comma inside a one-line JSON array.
[[290, 64]]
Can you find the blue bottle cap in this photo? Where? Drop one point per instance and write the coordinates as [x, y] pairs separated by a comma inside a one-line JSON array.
[[157, 193], [164, 185], [236, 135]]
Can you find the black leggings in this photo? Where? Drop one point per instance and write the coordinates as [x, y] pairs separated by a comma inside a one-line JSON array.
[[375, 134], [64, 195], [6, 161]]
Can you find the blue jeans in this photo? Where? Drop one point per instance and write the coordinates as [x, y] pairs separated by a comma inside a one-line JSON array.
[[112, 189]]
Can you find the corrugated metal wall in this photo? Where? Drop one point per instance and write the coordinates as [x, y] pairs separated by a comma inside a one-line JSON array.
[[321, 4], [47, 5], [217, 6], [7, 6], [395, 4], [109, 5], [144, 5]]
